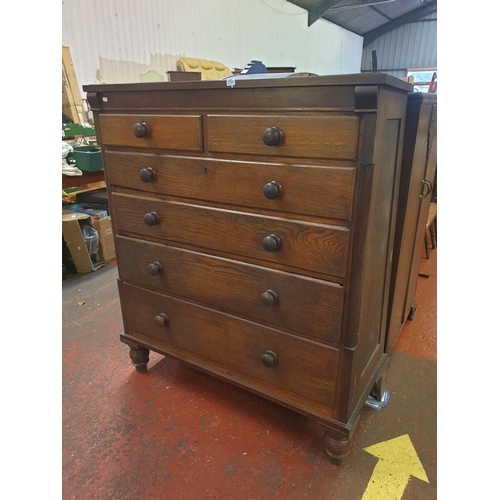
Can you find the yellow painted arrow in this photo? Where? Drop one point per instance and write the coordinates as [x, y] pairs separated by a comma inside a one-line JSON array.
[[398, 460]]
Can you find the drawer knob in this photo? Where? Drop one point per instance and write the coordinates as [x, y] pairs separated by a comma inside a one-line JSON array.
[[272, 190], [271, 243], [141, 130], [268, 298], [152, 219], [154, 268], [272, 136], [147, 174], [161, 320], [269, 359]]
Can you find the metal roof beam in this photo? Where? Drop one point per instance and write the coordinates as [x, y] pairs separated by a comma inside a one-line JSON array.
[[316, 12], [414, 15], [379, 12]]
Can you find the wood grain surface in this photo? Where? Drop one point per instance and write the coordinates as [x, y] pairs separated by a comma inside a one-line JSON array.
[[318, 247], [311, 190], [181, 132], [303, 136], [303, 367], [236, 287]]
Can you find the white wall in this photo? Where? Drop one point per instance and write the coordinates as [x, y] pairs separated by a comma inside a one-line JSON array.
[[122, 38]]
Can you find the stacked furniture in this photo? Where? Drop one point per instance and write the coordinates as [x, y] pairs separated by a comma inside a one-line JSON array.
[[255, 227]]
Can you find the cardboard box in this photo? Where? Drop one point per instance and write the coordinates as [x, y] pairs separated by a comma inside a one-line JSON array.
[[106, 238], [75, 241]]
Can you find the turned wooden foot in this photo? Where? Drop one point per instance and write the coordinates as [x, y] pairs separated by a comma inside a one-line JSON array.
[[337, 444], [140, 357]]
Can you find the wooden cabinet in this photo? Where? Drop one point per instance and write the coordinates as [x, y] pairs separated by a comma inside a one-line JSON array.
[[254, 231], [417, 178]]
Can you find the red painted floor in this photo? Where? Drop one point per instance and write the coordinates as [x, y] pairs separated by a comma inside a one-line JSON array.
[[176, 433]]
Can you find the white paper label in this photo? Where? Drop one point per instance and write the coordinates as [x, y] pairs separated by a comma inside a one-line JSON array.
[[230, 82]]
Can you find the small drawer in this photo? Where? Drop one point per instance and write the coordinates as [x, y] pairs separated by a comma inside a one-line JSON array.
[[332, 137], [295, 189], [179, 132], [299, 366], [306, 306], [302, 245]]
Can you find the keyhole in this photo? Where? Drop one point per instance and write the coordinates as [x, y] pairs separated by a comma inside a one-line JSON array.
[[204, 170]]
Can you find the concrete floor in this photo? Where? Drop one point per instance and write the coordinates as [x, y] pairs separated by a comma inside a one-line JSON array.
[[176, 433]]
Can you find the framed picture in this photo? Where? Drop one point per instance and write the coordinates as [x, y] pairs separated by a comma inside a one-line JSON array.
[[424, 79]]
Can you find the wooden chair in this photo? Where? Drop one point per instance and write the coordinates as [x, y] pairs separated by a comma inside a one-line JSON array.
[[431, 229]]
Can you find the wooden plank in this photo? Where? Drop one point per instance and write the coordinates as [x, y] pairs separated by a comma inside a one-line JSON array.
[[74, 104]]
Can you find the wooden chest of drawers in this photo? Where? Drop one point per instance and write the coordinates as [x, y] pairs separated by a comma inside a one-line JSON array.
[[254, 230]]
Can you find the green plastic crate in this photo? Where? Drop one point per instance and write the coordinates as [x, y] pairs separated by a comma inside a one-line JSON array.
[[87, 158], [74, 129]]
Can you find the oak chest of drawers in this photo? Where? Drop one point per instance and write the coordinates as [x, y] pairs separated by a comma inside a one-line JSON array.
[[254, 227]]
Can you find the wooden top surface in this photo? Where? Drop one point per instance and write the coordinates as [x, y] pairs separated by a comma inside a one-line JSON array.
[[305, 81], [425, 97]]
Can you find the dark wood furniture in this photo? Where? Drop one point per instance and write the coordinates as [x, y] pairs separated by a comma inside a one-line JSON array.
[[183, 76], [281, 69], [254, 230], [81, 180], [417, 176], [272, 69]]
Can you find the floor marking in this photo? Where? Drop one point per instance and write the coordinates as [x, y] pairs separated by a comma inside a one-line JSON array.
[[398, 460]]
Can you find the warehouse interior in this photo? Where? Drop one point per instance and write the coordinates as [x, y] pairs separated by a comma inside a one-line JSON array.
[[285, 397]]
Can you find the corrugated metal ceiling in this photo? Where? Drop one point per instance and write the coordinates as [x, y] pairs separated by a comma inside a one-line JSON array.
[[368, 18]]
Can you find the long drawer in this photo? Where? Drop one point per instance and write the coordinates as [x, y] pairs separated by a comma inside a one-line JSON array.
[[306, 306], [315, 136], [316, 191], [315, 247], [288, 362], [179, 132]]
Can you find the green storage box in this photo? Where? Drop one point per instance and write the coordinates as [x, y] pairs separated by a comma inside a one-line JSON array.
[[87, 158], [75, 129]]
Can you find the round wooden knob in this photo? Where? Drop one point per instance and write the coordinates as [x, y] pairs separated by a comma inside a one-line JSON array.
[[154, 268], [269, 359], [268, 298], [271, 243], [161, 320], [147, 174], [272, 190], [272, 136], [152, 219], [141, 130]]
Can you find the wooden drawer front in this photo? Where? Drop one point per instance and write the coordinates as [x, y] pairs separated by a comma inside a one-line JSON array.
[[166, 131], [317, 191], [306, 306], [303, 367], [302, 136], [315, 247]]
